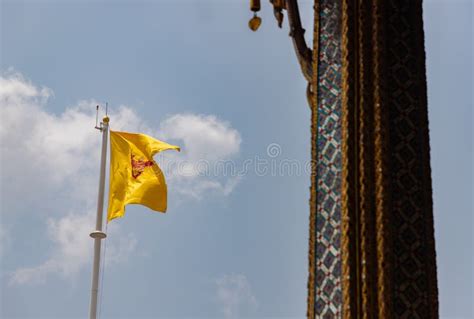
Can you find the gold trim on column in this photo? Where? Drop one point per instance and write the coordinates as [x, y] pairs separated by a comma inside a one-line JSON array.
[[348, 221], [384, 298], [363, 184], [367, 266], [313, 196]]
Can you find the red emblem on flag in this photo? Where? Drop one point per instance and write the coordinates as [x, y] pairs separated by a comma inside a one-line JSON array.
[[138, 166]]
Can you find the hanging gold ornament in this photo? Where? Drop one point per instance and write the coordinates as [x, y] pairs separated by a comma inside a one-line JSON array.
[[256, 21]]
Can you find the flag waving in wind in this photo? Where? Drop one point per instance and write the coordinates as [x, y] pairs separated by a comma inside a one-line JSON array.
[[135, 178]]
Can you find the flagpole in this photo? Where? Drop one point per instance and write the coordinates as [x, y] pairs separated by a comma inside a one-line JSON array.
[[98, 234]]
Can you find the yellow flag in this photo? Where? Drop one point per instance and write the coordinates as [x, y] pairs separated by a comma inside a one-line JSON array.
[[135, 178]]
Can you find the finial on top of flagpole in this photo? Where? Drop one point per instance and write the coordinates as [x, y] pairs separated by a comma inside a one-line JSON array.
[[106, 119]]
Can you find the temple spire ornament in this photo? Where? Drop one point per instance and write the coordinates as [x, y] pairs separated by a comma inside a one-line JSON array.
[[278, 6], [371, 238], [303, 53]]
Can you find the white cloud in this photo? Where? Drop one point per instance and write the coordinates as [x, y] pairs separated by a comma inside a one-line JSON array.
[[53, 157], [207, 141], [234, 295], [73, 249], [203, 136]]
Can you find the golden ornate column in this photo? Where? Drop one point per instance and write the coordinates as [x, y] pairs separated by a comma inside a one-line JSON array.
[[371, 241], [372, 251]]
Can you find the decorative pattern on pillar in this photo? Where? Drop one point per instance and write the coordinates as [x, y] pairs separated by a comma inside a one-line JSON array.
[[389, 242], [414, 287], [372, 252], [328, 292]]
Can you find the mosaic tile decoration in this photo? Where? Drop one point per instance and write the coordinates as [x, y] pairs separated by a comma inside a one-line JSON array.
[[328, 301]]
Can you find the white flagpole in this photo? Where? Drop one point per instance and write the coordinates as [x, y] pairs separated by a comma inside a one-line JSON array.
[[98, 234]]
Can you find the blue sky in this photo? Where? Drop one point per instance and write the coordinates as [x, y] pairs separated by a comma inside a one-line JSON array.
[[229, 246]]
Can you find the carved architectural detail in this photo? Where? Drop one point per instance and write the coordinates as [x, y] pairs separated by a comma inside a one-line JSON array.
[[388, 255], [371, 243]]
